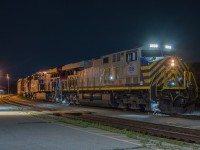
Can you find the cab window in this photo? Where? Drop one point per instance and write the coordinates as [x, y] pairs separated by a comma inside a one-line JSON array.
[[105, 60], [132, 56]]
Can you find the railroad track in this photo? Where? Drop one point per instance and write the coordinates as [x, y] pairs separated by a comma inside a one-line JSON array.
[[194, 117], [166, 131], [188, 116], [171, 132], [9, 100], [2, 99]]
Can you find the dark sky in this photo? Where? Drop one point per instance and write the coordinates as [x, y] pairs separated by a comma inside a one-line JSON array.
[[37, 35]]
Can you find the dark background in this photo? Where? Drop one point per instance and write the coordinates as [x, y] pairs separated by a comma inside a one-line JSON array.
[[38, 35]]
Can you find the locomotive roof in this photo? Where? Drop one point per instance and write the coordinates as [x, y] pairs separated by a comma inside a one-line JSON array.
[[133, 49]]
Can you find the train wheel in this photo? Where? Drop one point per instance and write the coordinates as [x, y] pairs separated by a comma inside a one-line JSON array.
[[165, 106], [183, 104], [114, 97]]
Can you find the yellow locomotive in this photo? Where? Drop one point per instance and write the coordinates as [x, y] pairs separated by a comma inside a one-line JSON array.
[[134, 79]]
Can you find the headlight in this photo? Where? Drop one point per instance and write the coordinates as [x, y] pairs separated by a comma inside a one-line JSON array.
[[172, 62], [153, 45], [168, 47]]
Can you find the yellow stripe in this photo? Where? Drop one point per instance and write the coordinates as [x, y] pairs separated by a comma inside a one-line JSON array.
[[178, 71], [169, 75], [157, 79], [162, 75], [187, 67], [175, 88], [173, 79], [164, 80], [158, 65], [182, 66], [146, 74], [160, 84], [160, 71], [146, 80], [148, 67], [112, 88], [145, 67]]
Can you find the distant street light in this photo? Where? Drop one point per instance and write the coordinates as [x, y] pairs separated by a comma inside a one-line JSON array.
[[8, 78]]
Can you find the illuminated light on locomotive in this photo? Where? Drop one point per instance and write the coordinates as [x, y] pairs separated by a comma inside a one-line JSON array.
[[111, 78], [134, 79], [172, 84], [168, 46], [153, 45]]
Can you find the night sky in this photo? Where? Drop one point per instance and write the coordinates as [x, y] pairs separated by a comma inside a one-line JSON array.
[[37, 35]]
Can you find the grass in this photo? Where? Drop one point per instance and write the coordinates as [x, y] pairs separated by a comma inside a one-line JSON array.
[[145, 139]]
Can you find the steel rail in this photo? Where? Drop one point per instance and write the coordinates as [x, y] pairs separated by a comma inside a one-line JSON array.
[[8, 100]]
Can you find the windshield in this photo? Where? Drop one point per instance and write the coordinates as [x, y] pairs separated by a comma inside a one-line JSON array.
[[167, 53], [151, 53]]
